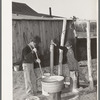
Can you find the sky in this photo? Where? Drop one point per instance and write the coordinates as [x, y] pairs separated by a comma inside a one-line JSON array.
[[83, 9]]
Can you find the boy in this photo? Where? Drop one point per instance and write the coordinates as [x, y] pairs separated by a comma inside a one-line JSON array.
[[72, 65], [28, 60]]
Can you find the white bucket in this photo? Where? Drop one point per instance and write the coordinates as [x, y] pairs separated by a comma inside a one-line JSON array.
[[53, 84]]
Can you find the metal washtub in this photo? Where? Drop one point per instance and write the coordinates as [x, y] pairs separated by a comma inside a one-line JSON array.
[[53, 84]]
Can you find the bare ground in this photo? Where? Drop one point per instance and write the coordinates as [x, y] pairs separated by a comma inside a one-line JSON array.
[[84, 94]]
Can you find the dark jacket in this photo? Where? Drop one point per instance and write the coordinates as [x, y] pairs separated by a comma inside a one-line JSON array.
[[28, 56], [72, 62]]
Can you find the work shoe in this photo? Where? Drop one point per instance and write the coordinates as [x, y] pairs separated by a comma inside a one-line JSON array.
[[28, 96], [75, 91], [33, 98], [80, 89]]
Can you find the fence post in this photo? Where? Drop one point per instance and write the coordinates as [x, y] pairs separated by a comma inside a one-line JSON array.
[[62, 44], [51, 57], [89, 55]]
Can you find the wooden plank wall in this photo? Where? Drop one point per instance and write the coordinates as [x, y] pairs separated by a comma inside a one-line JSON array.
[[24, 30]]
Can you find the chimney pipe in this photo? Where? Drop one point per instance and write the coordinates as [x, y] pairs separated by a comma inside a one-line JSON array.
[[50, 12]]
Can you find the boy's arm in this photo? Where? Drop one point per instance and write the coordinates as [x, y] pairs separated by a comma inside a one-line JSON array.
[[59, 47]]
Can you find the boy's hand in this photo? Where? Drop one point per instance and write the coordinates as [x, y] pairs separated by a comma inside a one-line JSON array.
[[38, 60], [54, 43], [35, 50]]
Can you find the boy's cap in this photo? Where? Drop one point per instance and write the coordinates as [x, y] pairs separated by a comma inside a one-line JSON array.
[[36, 39], [68, 44]]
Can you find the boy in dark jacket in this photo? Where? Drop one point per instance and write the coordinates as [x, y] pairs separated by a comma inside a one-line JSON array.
[[73, 67], [28, 60]]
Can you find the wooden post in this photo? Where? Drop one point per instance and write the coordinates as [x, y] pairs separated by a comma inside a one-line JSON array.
[[51, 57], [89, 55], [62, 44]]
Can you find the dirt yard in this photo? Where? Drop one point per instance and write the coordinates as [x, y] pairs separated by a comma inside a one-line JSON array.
[[84, 94]]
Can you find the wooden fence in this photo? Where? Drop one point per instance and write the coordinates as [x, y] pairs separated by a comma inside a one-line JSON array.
[[24, 30]]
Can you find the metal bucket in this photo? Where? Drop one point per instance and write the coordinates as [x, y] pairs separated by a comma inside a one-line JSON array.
[[53, 84]]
